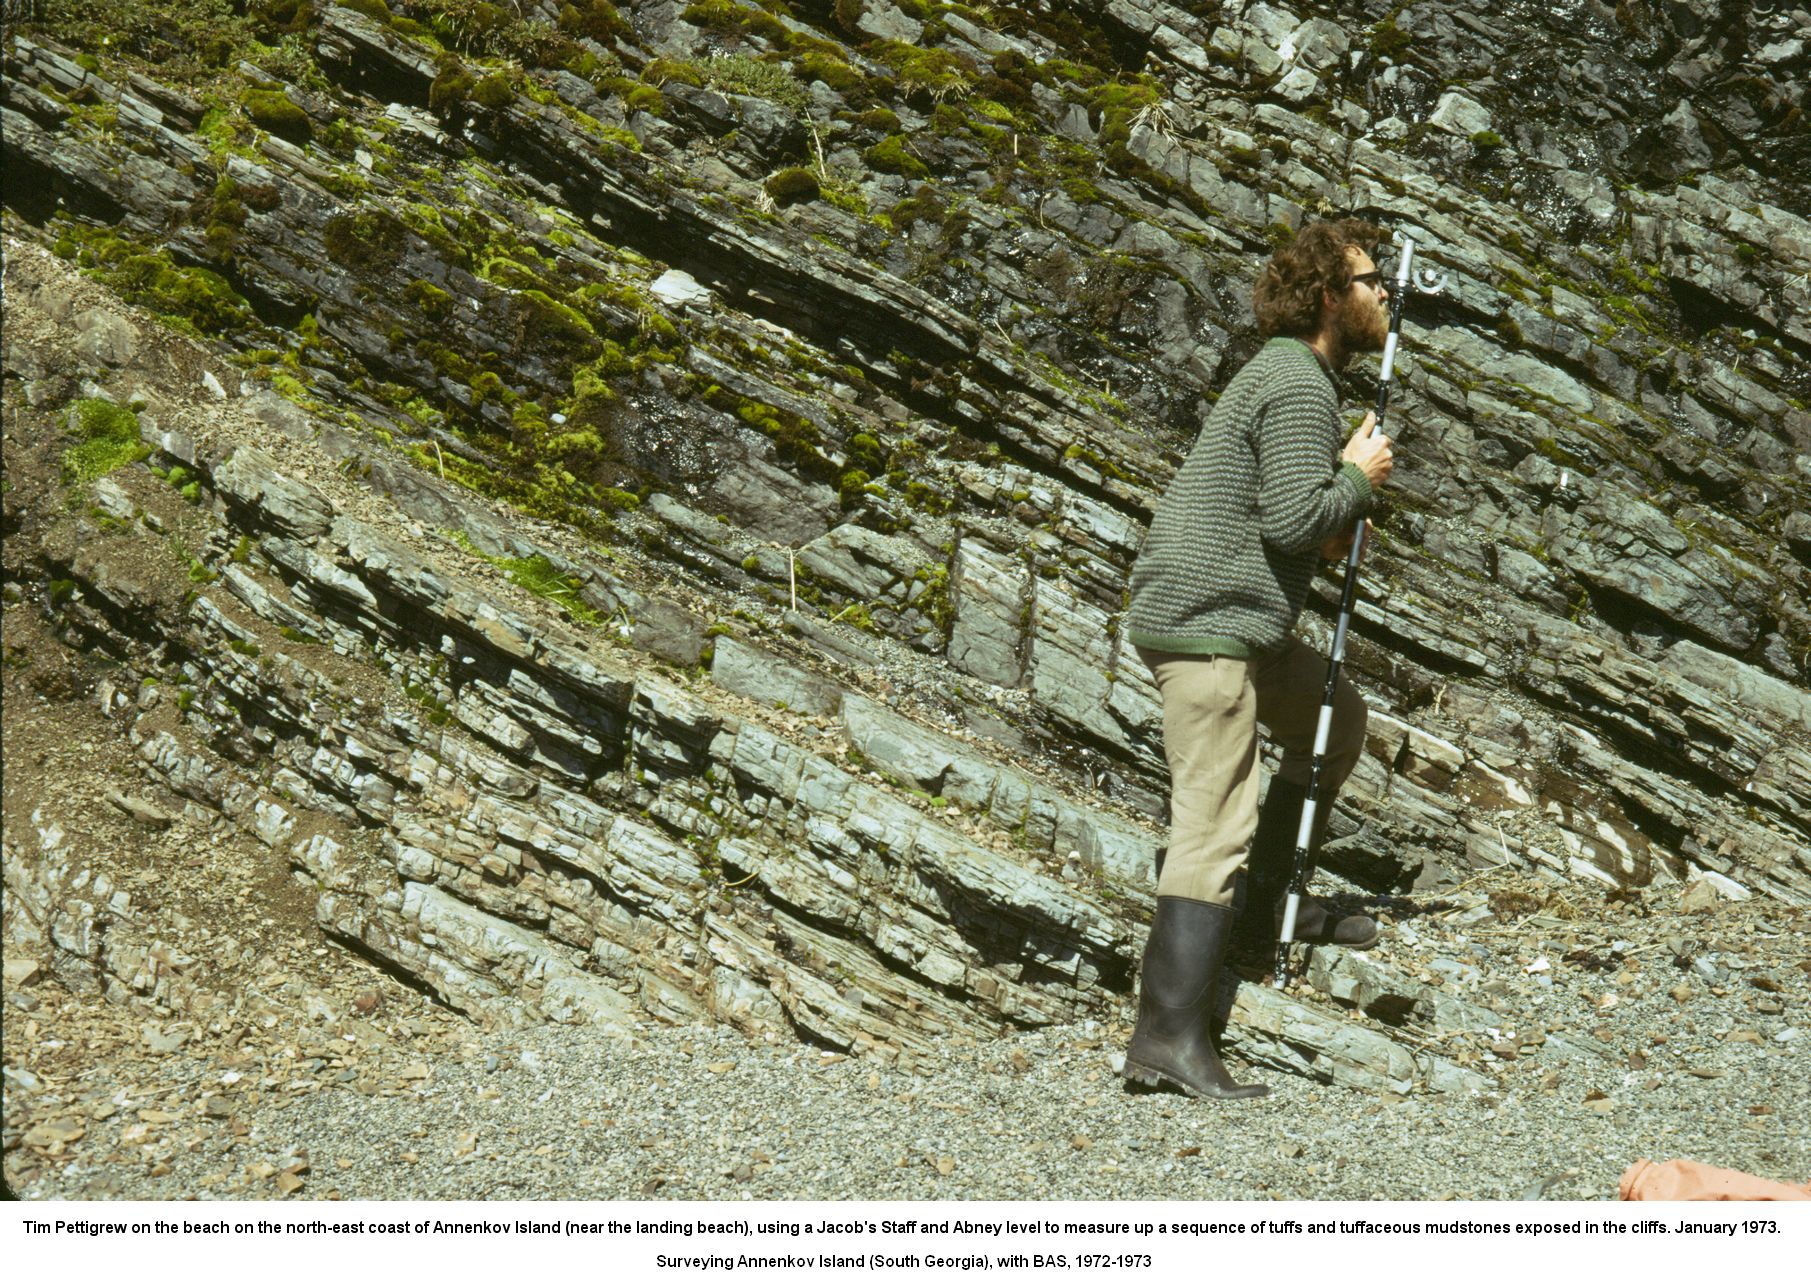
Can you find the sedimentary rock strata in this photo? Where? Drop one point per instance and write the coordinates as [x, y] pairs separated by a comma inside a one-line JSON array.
[[653, 532]]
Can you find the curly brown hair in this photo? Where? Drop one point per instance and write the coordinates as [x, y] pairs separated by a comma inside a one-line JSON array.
[[1287, 299]]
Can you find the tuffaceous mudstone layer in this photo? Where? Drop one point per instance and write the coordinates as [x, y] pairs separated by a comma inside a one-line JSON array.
[[622, 585]]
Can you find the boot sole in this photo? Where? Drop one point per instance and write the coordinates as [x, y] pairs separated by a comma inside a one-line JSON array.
[[1145, 1076], [1376, 939]]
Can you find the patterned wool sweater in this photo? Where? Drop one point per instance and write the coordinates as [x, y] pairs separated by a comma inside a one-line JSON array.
[[1236, 540]]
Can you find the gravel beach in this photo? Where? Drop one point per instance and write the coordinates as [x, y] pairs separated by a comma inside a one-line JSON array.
[[325, 1083]]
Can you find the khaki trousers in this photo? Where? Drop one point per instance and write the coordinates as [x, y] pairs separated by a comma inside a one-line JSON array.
[[1212, 706]]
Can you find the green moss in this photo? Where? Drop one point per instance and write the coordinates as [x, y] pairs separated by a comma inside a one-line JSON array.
[[1099, 463], [880, 119], [852, 486], [643, 97], [937, 73], [934, 601], [195, 299], [993, 110], [451, 86], [926, 498], [846, 13], [850, 83], [865, 450], [795, 437], [552, 329], [275, 113], [858, 617], [108, 436], [948, 120], [1486, 140], [1565, 458], [1389, 40], [368, 242], [792, 185], [662, 69], [755, 78], [222, 215], [727, 16], [493, 92], [289, 387], [1119, 104], [540, 576], [593, 19], [891, 155], [436, 305]]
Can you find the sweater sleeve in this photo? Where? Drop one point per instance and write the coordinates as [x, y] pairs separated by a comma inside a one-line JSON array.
[[1306, 494]]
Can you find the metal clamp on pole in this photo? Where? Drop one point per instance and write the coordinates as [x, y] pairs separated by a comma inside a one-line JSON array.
[[1427, 283]]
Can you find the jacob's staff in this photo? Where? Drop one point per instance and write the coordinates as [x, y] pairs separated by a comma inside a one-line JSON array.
[[1311, 825]]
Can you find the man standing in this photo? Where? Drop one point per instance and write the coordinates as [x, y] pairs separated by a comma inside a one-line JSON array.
[[1265, 495]]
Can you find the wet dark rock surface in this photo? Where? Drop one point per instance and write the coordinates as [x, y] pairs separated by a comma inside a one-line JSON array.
[[610, 584]]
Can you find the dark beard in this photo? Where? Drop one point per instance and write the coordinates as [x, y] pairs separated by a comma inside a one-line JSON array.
[[1363, 324]]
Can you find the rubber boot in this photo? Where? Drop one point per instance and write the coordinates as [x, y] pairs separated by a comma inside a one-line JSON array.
[[1180, 986], [1268, 868]]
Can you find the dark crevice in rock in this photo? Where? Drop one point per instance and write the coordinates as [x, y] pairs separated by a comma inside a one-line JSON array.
[[402, 974], [1703, 311], [38, 193], [813, 1038]]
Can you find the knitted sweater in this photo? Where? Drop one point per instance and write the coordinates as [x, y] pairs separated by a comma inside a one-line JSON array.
[[1236, 540]]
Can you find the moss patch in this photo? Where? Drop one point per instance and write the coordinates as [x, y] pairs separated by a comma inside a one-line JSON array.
[[540, 576], [891, 155], [275, 113], [494, 92], [451, 86], [934, 73], [195, 299], [792, 185], [108, 436], [367, 242], [754, 78]]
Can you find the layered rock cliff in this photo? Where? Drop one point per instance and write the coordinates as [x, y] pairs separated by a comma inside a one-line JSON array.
[[636, 507]]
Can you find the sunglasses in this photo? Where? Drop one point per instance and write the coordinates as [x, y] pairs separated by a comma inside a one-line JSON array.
[[1370, 278]]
